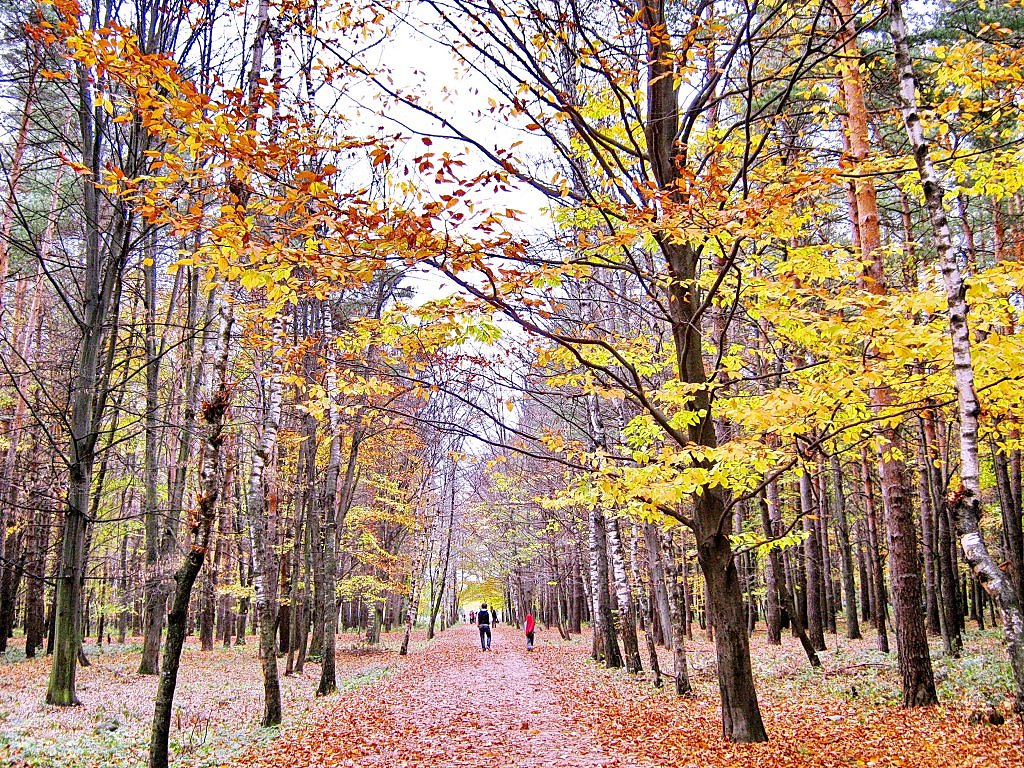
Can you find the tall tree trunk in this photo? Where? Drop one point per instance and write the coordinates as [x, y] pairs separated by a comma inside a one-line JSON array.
[[161, 524], [329, 514], [606, 645], [845, 552], [415, 584], [928, 538], [771, 520], [866, 586], [101, 280], [1009, 505], [624, 595], [646, 599], [812, 563], [445, 562], [262, 537], [36, 571], [774, 576], [661, 601], [911, 637], [156, 588], [681, 673], [829, 595], [209, 488], [578, 592], [950, 618], [879, 609], [741, 715]]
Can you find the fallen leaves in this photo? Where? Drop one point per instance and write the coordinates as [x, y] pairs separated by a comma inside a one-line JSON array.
[[216, 715], [449, 704]]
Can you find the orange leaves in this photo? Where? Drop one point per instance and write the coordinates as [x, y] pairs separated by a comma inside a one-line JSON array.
[[448, 704], [806, 725]]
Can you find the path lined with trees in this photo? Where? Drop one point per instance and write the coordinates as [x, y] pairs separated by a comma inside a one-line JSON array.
[[684, 317]]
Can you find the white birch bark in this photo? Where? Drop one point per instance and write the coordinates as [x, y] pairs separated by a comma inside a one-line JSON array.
[[624, 595], [262, 537]]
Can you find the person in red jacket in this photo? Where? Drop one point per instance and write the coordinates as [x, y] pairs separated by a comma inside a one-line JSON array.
[[530, 626]]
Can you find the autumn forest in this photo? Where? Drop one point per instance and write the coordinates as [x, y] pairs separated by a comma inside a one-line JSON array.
[[691, 330]]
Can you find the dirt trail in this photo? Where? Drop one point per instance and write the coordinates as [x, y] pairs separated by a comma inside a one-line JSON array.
[[450, 704]]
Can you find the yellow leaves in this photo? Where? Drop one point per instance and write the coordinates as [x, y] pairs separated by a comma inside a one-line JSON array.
[[250, 279]]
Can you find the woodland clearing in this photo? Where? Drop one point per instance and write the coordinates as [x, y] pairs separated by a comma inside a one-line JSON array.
[[448, 703]]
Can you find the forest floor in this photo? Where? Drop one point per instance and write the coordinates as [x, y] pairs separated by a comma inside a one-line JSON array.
[[449, 704]]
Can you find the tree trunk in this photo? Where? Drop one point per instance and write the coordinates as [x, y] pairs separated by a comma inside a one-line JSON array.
[[413, 594], [812, 563], [98, 311], [845, 552], [1010, 510], [445, 563], [928, 538], [213, 415], [741, 715], [606, 645], [948, 582], [655, 566], [624, 595], [578, 592], [35, 572], [328, 613], [911, 638], [774, 576], [156, 589], [646, 592], [771, 520], [262, 537], [829, 602], [866, 588], [879, 610], [681, 673]]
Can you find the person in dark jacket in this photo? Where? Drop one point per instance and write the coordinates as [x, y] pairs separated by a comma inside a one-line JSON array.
[[483, 621]]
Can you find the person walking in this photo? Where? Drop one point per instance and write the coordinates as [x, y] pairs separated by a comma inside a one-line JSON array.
[[530, 626], [483, 621]]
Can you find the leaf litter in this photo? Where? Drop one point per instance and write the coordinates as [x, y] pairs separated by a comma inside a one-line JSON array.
[[449, 704]]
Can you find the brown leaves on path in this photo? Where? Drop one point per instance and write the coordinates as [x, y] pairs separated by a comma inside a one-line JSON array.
[[449, 704]]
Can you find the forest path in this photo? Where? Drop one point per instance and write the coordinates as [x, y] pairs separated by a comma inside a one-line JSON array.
[[450, 704]]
